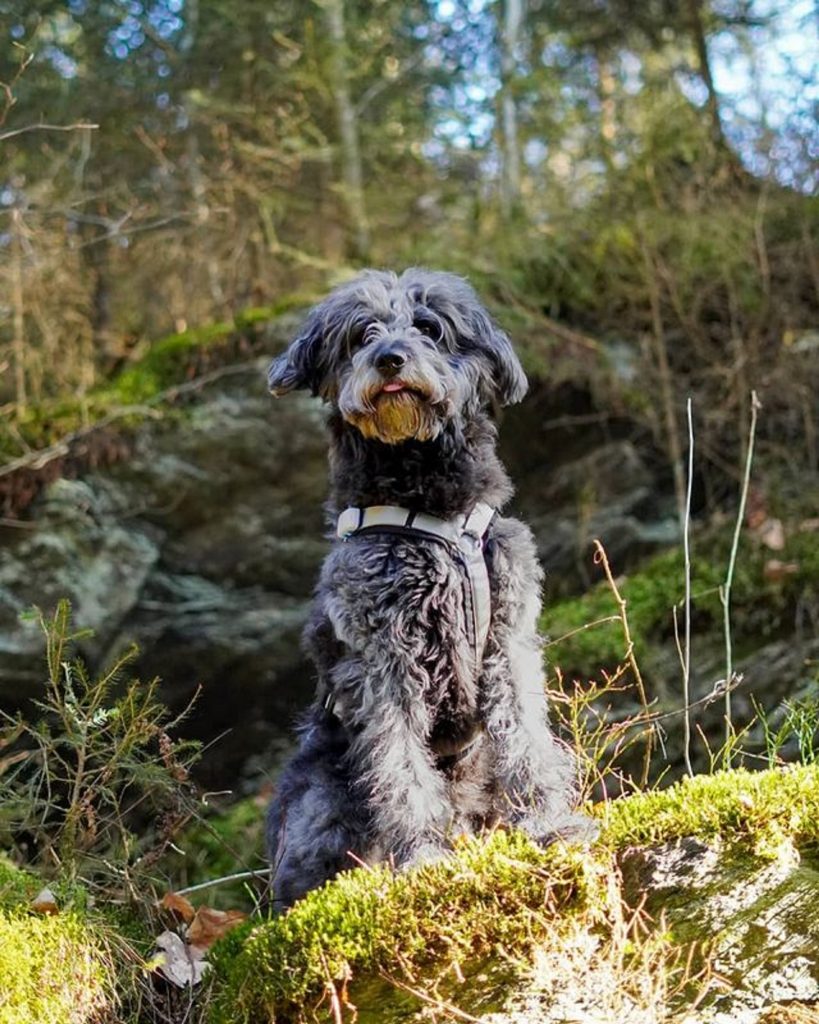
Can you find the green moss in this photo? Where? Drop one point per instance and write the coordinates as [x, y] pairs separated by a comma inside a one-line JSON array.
[[489, 897], [16, 886], [167, 362], [53, 968], [755, 808], [492, 898], [264, 314], [761, 607]]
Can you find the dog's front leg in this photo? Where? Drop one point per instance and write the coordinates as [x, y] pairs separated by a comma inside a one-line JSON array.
[[535, 781], [391, 759]]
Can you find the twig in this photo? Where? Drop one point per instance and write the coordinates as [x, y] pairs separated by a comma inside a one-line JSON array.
[[687, 552], [716, 691], [660, 339], [439, 1004], [725, 589], [581, 629], [7, 88], [45, 128], [332, 992], [600, 558], [263, 873]]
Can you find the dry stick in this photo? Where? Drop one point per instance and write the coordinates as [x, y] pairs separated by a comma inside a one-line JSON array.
[[448, 1009], [664, 371], [725, 589], [18, 342], [687, 551], [261, 873], [601, 559], [46, 128], [579, 629]]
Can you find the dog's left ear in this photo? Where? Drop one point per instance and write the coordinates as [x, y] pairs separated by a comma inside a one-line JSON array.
[[508, 383], [298, 367]]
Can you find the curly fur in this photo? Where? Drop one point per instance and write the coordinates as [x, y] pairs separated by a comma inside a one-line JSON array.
[[377, 778]]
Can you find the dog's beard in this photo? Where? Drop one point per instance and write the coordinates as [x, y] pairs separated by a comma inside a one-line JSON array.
[[396, 417]]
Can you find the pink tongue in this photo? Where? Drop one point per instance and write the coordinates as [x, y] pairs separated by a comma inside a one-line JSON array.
[[393, 387]]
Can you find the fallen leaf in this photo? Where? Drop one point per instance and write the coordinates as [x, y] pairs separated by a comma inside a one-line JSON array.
[[178, 905], [180, 964], [209, 925], [756, 510], [772, 534], [774, 570], [809, 525], [45, 902]]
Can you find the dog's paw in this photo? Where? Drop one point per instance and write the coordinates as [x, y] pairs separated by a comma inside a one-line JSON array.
[[570, 828]]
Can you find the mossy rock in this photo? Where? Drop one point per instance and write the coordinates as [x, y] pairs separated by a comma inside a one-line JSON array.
[[481, 914], [168, 361], [55, 968], [762, 604]]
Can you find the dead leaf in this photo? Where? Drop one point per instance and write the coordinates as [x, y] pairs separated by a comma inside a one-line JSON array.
[[178, 905], [45, 902], [181, 964], [772, 534], [209, 925], [809, 525], [774, 570], [756, 511]]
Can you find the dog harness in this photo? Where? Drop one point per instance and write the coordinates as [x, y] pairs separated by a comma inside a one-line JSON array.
[[464, 535]]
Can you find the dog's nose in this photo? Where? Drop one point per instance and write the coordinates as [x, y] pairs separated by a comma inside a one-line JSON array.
[[390, 362]]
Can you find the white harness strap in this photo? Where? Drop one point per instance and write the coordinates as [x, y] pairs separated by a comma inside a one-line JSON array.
[[465, 533]]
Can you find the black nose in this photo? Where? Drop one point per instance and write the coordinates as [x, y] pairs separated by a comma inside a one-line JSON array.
[[390, 362]]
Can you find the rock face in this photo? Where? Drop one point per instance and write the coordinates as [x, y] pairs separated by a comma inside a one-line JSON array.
[[749, 920], [756, 914], [580, 481], [202, 548], [695, 905], [204, 544]]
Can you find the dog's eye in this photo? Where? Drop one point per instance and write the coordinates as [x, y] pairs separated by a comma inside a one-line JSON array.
[[359, 336], [429, 327]]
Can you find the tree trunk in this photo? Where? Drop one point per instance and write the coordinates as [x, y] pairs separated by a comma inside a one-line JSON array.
[[352, 174], [18, 344], [510, 165], [606, 86], [697, 29]]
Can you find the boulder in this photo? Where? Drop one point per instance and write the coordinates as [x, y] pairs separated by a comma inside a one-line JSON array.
[[202, 548]]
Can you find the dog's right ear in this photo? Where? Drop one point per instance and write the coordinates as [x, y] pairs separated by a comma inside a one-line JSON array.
[[298, 367]]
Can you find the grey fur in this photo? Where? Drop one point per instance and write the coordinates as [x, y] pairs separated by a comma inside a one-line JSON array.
[[377, 778]]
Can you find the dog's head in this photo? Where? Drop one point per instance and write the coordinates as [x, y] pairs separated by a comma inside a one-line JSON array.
[[401, 356]]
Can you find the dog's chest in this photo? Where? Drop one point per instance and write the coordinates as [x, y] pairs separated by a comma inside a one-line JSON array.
[[402, 606]]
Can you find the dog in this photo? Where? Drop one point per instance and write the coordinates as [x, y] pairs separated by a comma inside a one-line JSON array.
[[429, 718]]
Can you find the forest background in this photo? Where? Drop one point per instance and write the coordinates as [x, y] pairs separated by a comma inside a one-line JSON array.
[[629, 186]]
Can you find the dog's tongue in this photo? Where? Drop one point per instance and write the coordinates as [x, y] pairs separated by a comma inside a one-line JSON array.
[[394, 386]]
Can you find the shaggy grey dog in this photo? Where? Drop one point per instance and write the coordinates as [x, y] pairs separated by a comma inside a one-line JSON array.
[[427, 723]]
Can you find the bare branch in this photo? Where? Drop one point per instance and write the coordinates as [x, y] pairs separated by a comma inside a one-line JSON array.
[[46, 128]]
